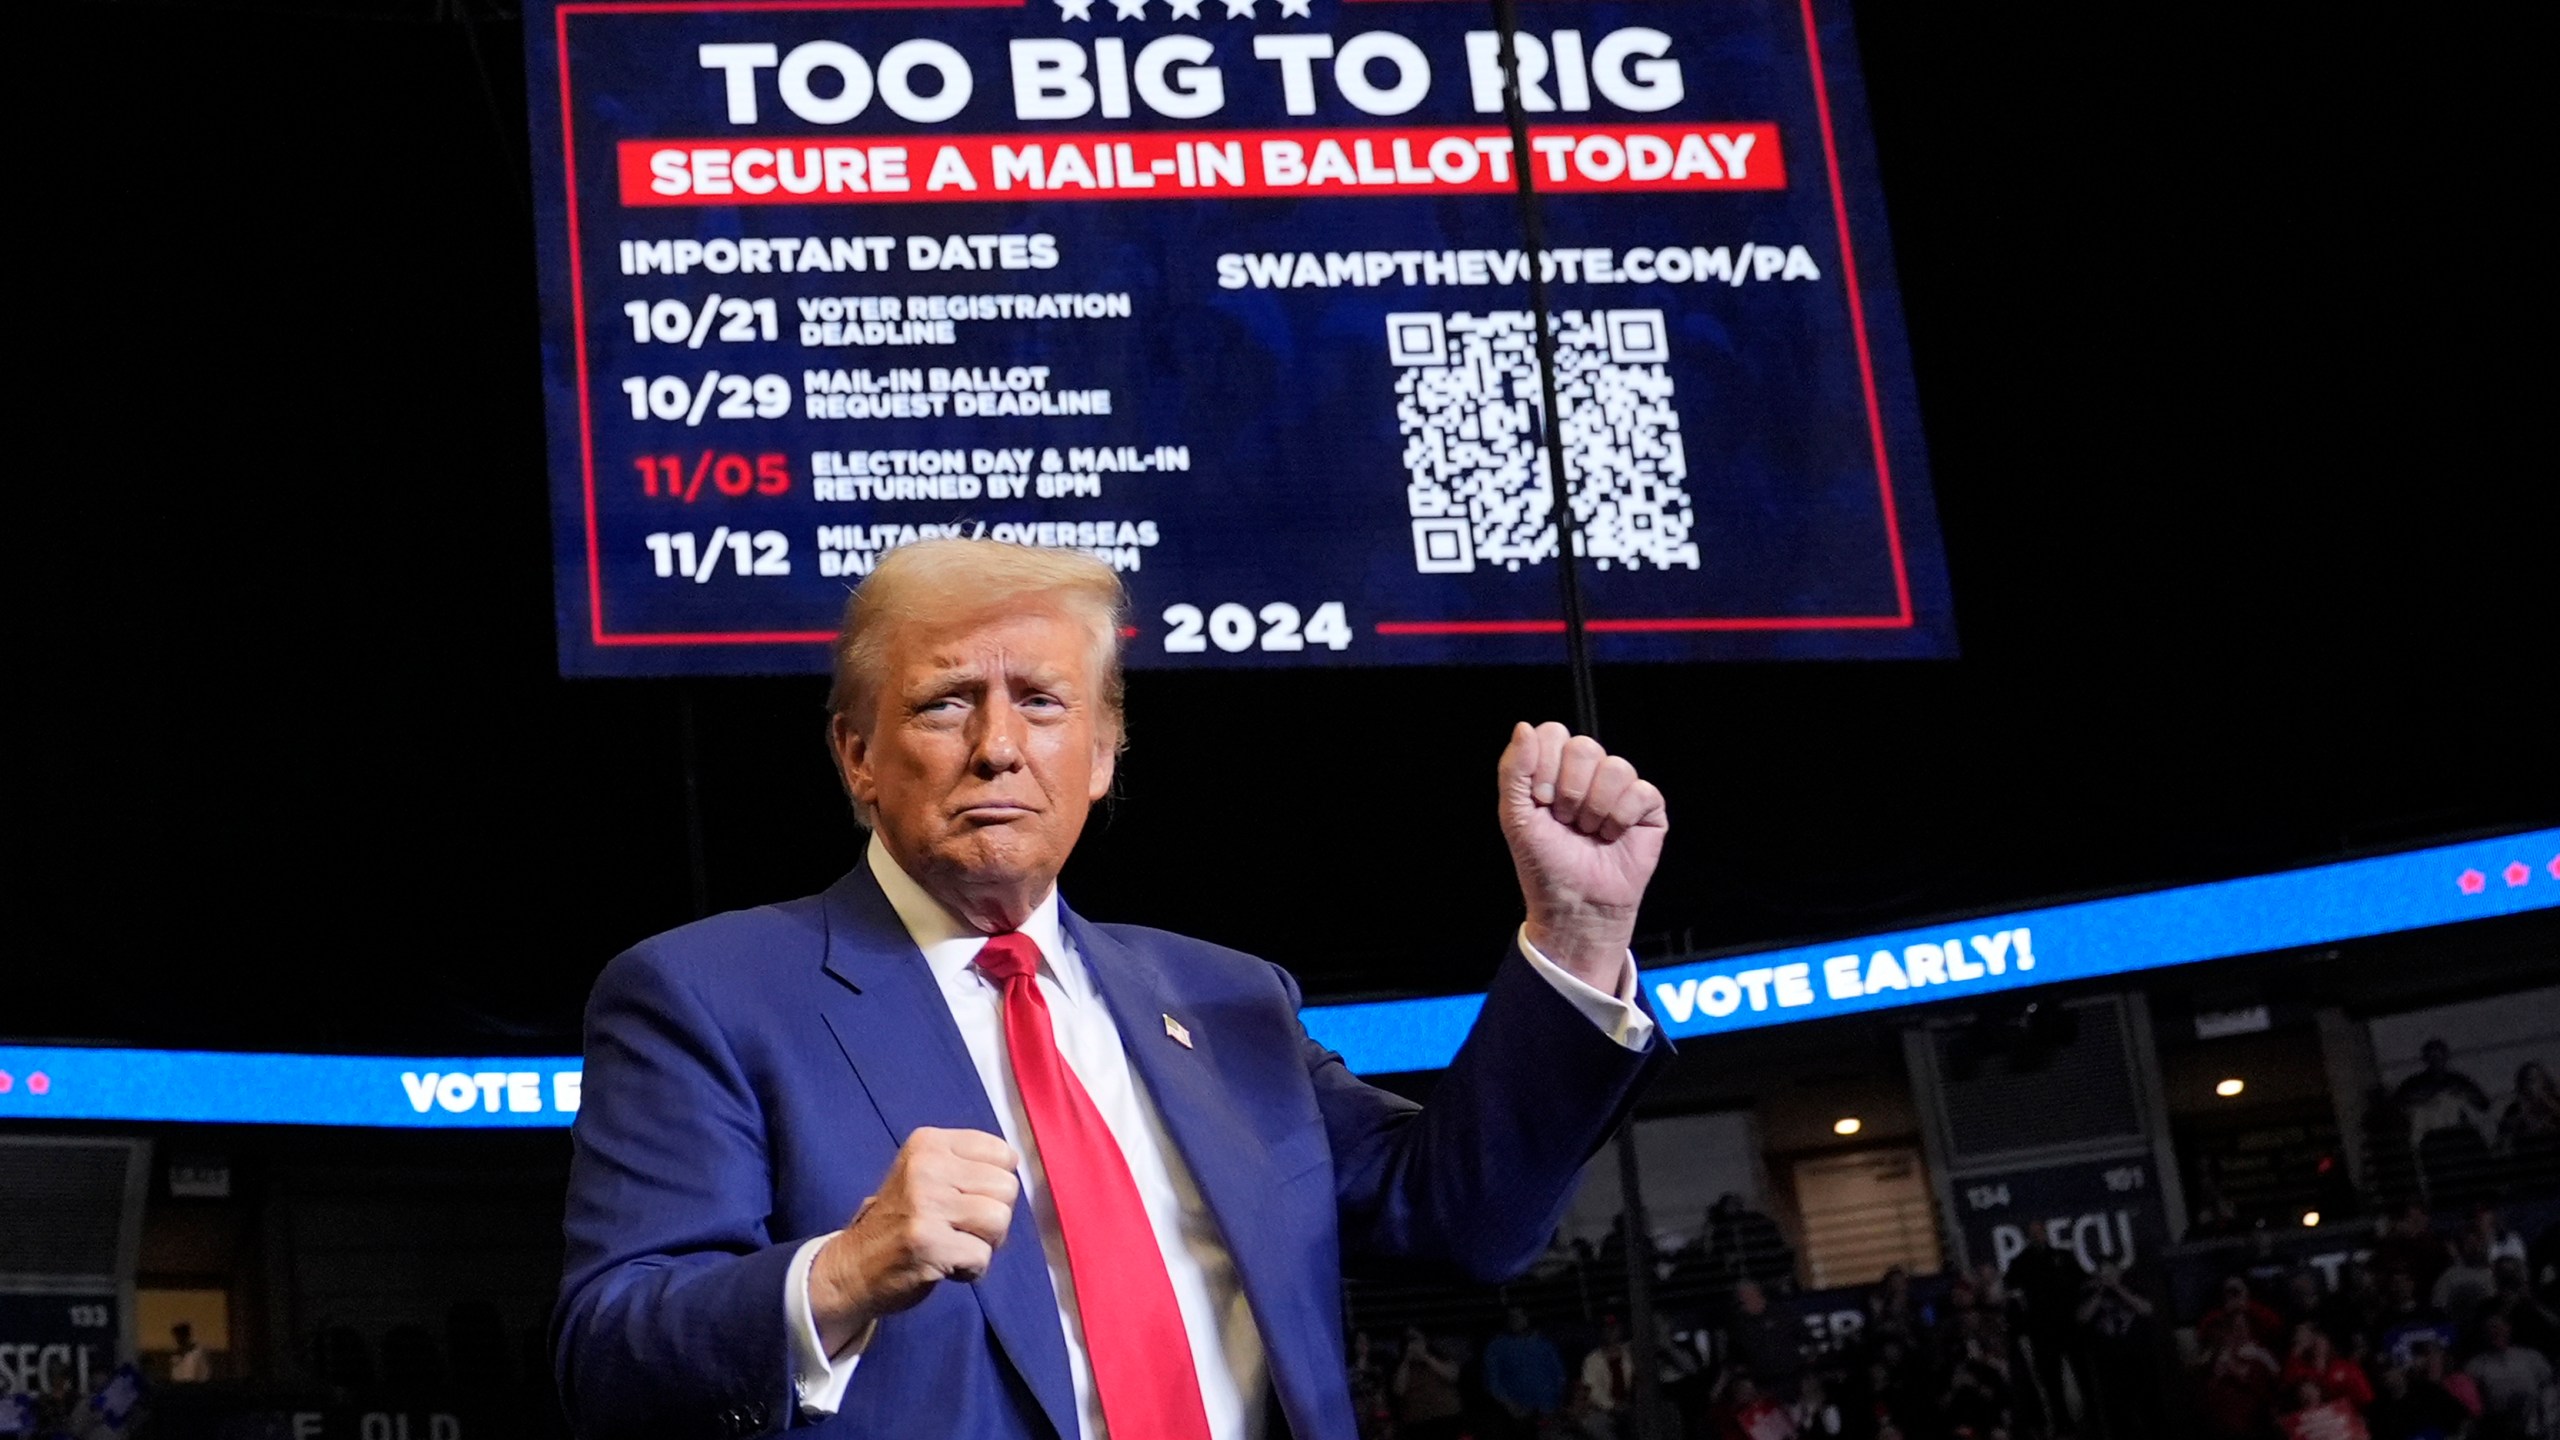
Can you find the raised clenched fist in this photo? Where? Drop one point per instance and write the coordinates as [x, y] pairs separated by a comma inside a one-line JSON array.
[[1585, 833], [940, 1213]]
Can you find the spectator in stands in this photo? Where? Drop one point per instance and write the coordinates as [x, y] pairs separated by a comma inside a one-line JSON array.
[[2001, 1319], [189, 1364], [1608, 1381], [2532, 1322], [1972, 1323], [2353, 1313], [1881, 1398], [2264, 1325], [2116, 1341], [2046, 1283], [1371, 1403], [2268, 1273], [1427, 1404], [1991, 1290], [2433, 1363], [2445, 1110], [2315, 1361], [2239, 1376], [1680, 1369], [1607, 1273], [1747, 1412], [1814, 1414], [2514, 1382], [2406, 1320], [1524, 1374], [2465, 1283], [58, 1404], [2214, 1215], [1890, 1314], [2412, 1406], [1759, 1341], [2495, 1238], [2437, 1083], [2302, 1298], [1740, 1244], [2542, 1263], [1979, 1401], [2216, 1219], [2316, 1416], [2529, 1131], [2413, 1246]]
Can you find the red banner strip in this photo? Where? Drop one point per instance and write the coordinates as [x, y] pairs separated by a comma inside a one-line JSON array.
[[1160, 165]]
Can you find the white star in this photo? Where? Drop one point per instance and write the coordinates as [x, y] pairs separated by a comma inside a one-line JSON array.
[[1184, 9], [1237, 8], [1075, 10], [1128, 9], [1297, 8]]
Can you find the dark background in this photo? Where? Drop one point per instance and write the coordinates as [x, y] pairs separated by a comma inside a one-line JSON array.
[[2229, 337]]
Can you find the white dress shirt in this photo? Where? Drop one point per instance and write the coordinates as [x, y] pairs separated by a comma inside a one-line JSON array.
[[1226, 1348]]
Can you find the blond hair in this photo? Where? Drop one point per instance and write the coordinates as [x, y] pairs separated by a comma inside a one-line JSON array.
[[916, 580]]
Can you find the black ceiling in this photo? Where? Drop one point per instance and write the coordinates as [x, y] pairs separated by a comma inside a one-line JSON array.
[[2224, 324]]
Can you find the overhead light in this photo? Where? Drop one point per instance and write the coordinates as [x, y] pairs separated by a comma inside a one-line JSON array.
[[1845, 1125], [2230, 1087], [2310, 1219]]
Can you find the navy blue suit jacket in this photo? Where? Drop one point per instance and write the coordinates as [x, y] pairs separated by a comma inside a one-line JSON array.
[[750, 1077]]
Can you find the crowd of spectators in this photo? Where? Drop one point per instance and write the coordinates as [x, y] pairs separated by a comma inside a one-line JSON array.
[[2428, 1336], [2442, 1135], [2042, 1349]]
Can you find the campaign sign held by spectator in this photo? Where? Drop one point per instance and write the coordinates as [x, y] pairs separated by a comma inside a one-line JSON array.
[[1235, 296]]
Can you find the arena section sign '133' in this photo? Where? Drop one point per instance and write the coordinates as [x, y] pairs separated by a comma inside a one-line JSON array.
[[47, 1339], [1233, 295]]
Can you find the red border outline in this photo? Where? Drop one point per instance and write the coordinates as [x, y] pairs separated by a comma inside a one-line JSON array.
[[1902, 619], [596, 633]]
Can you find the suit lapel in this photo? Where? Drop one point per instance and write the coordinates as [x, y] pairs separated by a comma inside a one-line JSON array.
[[1183, 1079], [1214, 1138], [895, 1028]]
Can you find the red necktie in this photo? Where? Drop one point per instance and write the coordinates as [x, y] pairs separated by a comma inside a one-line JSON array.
[[1133, 1335]]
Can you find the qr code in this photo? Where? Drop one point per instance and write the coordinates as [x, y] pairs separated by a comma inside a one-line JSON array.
[[1468, 403]]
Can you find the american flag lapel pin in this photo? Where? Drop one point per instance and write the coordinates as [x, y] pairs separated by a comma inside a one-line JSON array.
[[1180, 1034]]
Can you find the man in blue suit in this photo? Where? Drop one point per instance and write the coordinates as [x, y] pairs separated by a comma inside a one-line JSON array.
[[931, 1155]]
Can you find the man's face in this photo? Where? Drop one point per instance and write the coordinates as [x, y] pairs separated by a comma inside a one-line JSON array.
[[987, 747]]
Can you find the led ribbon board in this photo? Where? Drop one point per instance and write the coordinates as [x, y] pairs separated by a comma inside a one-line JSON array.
[[2084, 941], [2088, 940], [1232, 294]]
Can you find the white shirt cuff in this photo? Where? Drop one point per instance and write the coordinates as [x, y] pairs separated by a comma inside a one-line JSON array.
[[1618, 1016], [817, 1378]]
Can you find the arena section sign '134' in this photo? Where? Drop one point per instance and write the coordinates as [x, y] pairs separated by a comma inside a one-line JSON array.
[[1232, 294], [2096, 1211]]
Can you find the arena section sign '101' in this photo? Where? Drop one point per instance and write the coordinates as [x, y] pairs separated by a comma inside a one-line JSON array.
[[1232, 294]]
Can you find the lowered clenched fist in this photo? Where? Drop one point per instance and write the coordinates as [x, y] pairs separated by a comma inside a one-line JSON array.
[[941, 1212]]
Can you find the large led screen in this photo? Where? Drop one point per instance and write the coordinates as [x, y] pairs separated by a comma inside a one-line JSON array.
[[1233, 295]]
